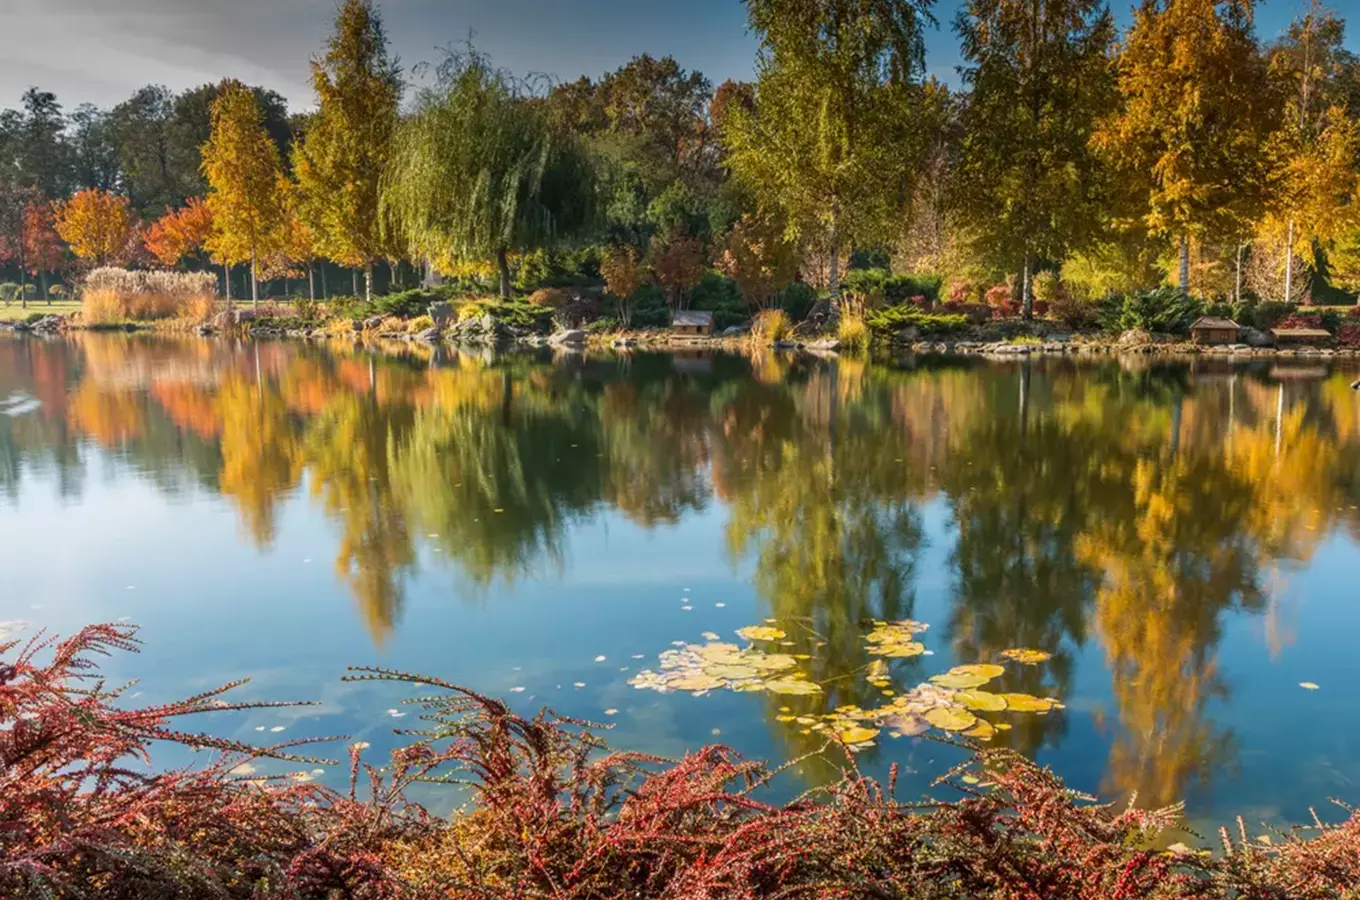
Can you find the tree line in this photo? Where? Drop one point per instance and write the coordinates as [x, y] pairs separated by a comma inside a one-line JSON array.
[[1186, 149]]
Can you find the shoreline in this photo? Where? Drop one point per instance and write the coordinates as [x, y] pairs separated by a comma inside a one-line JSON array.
[[1076, 345]]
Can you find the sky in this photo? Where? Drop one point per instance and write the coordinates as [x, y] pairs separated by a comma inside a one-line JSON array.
[[100, 51]]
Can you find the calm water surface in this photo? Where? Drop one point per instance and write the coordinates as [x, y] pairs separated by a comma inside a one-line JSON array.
[[1182, 538]]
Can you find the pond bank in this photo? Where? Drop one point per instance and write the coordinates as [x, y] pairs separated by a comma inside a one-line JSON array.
[[1038, 339]]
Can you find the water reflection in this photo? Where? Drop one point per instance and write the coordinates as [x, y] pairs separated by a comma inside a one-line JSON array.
[[1127, 510]]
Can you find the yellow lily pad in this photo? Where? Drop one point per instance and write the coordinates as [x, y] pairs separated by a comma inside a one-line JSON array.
[[1026, 656], [696, 683], [959, 680], [760, 633], [792, 686], [1027, 703], [983, 701], [951, 718], [987, 670], [858, 735], [983, 731]]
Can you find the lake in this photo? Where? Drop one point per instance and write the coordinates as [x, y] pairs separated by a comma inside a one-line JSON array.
[[1179, 541]]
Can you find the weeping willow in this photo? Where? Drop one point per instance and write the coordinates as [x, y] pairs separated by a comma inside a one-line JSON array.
[[478, 172]]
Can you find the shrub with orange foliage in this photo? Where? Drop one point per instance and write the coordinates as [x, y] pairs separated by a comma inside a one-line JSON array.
[[678, 263], [553, 814]]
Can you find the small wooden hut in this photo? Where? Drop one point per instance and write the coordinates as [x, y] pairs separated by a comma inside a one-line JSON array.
[[1212, 330], [695, 323]]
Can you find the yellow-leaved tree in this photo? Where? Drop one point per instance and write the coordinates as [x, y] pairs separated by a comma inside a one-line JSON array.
[[1315, 153], [247, 193], [97, 225], [1196, 107], [340, 162]]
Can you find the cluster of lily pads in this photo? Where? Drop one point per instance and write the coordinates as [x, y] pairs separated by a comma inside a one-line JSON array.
[[951, 701]]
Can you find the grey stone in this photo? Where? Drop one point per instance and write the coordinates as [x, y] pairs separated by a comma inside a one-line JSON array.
[[428, 336], [735, 330], [1253, 337], [569, 336], [909, 335], [824, 344], [443, 314]]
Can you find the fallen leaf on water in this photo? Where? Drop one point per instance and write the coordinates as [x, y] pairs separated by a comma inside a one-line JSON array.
[[710, 636], [611, 712], [599, 659], [517, 690], [277, 728], [983, 731], [579, 684], [792, 686], [1308, 686], [1027, 703], [857, 735]]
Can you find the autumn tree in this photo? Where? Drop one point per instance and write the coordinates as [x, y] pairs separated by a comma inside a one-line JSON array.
[[340, 161], [678, 262], [246, 184], [756, 256], [180, 232], [1315, 153], [623, 275], [1196, 106], [97, 225], [14, 202], [43, 249], [479, 171], [829, 147], [1027, 178]]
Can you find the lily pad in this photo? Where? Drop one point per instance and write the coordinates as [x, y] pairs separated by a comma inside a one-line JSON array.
[[988, 670], [698, 682], [959, 680], [983, 701], [1026, 656], [1028, 703], [858, 735], [760, 633], [794, 686], [951, 718], [983, 731]]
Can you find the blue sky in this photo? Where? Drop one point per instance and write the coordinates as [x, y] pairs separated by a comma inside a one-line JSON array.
[[101, 50]]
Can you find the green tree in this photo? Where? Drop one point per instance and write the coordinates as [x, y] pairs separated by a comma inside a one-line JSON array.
[[340, 161], [1196, 108], [830, 145], [247, 191], [479, 171], [1028, 179]]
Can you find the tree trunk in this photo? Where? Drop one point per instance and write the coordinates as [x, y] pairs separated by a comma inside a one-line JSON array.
[[1027, 291], [503, 263], [1237, 288], [325, 291], [254, 284], [226, 281], [42, 286], [23, 287], [392, 276], [1185, 264], [354, 276], [311, 282], [834, 277], [368, 281], [1289, 266]]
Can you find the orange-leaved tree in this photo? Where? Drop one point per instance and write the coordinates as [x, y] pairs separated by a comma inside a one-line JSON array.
[[180, 232], [623, 275], [247, 193], [97, 225], [756, 255], [43, 250], [679, 264]]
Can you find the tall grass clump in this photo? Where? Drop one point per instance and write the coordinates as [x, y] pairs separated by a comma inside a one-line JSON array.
[[145, 296], [771, 326], [853, 332]]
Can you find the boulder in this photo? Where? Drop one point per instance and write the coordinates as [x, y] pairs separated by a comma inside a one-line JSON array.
[[443, 314], [571, 336], [824, 344], [1254, 337], [735, 330], [428, 336], [908, 335], [1135, 337]]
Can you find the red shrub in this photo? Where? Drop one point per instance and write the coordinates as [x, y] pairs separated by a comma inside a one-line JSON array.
[[552, 814], [1301, 320], [998, 296], [922, 303]]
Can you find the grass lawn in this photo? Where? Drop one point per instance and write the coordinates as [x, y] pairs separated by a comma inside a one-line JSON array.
[[13, 312]]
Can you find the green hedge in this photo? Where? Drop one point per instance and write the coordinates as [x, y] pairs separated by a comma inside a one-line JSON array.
[[892, 319]]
